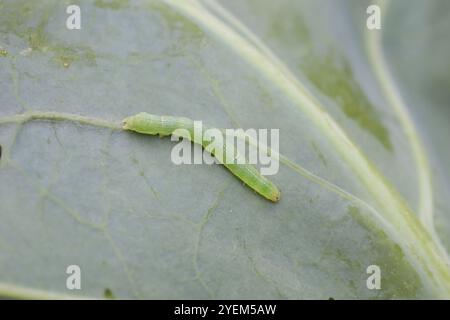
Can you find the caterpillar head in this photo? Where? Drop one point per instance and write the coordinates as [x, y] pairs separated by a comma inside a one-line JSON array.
[[125, 123], [142, 123], [136, 122]]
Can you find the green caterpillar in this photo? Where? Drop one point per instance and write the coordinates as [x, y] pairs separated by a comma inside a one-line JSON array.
[[166, 125]]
